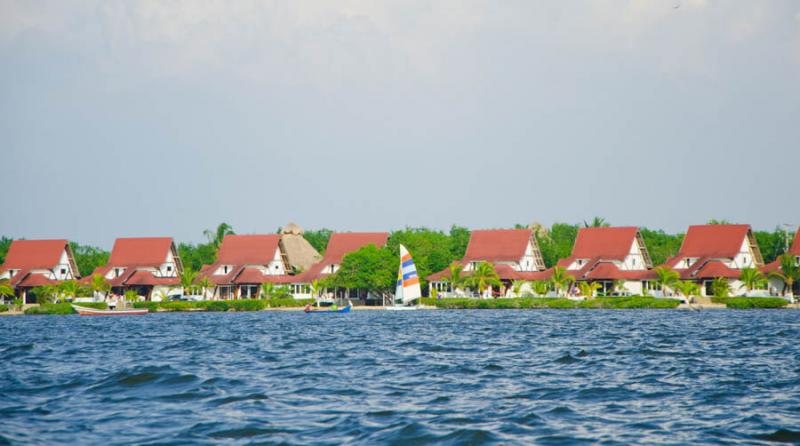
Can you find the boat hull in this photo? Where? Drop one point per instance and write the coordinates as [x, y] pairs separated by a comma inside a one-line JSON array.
[[339, 311], [85, 311]]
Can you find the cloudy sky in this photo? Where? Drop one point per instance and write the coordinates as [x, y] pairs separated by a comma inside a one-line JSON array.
[[122, 118]]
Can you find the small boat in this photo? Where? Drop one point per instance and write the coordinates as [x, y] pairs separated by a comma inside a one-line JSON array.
[[338, 310], [86, 311], [408, 289]]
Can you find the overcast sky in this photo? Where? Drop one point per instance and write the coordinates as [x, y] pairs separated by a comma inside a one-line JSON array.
[[141, 118]]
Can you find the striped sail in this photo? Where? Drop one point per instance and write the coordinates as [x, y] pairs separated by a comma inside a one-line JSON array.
[[407, 280]]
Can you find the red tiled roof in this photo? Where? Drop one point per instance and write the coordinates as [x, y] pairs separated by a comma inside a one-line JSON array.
[[714, 269], [608, 243], [504, 271], [248, 249], [34, 279], [720, 241], [610, 271], [795, 249], [143, 277], [339, 245], [28, 254], [140, 251], [497, 245], [343, 243]]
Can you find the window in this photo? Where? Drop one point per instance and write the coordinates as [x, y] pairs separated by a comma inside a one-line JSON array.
[[276, 267], [634, 261], [169, 268], [116, 272], [225, 269], [63, 271]]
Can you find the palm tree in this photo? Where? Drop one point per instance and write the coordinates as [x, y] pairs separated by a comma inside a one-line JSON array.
[[316, 287], [455, 279], [540, 287], [204, 284], [215, 237], [789, 272], [618, 285], [267, 290], [99, 284], [131, 296], [561, 280], [588, 288], [516, 287], [45, 294], [69, 288], [483, 277], [687, 289], [597, 222], [6, 290], [721, 287], [752, 279], [666, 278], [188, 278]]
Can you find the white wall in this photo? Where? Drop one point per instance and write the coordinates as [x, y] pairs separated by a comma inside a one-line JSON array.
[[745, 258]]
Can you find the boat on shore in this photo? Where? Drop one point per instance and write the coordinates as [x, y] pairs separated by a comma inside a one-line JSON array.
[[86, 311]]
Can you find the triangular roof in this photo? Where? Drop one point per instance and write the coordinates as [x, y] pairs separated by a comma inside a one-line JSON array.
[[339, 245], [718, 241], [497, 245], [795, 249], [140, 251], [248, 249], [35, 254], [607, 243]]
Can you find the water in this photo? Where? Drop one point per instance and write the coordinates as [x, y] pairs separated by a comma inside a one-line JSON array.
[[445, 377]]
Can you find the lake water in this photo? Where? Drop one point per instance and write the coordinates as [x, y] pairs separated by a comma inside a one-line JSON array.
[[374, 377]]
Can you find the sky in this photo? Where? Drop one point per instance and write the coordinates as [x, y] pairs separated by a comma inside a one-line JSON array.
[[153, 118]]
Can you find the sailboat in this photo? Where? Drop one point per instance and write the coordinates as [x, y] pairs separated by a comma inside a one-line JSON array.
[[407, 283]]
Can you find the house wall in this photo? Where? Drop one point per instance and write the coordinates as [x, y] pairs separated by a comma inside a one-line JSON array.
[[527, 262], [276, 266], [63, 263], [634, 261], [169, 263], [745, 258]]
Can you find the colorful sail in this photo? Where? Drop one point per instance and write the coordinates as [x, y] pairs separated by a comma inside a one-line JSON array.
[[408, 288]]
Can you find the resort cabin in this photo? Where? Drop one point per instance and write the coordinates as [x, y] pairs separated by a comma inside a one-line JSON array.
[[514, 253], [32, 263], [150, 266], [712, 251], [776, 285], [614, 257], [244, 263], [339, 245]]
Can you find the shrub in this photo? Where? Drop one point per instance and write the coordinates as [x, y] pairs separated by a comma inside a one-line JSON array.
[[63, 308], [744, 303], [247, 305], [288, 302], [3, 308], [176, 306], [553, 303], [213, 305], [152, 306]]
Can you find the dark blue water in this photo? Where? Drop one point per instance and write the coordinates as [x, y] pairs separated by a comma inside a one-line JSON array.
[[445, 377]]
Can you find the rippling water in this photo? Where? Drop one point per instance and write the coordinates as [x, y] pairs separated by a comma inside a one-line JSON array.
[[445, 377]]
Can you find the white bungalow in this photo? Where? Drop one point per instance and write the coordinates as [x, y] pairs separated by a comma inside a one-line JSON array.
[[32, 263]]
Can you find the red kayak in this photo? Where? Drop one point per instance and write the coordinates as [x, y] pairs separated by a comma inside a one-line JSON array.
[[85, 311]]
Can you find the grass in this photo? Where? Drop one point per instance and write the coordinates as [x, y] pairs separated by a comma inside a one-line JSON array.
[[552, 303], [63, 308]]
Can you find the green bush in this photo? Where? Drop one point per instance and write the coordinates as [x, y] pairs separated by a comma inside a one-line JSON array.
[[553, 303], [290, 302], [3, 308], [745, 303], [177, 305], [213, 305], [152, 306], [247, 305], [63, 308]]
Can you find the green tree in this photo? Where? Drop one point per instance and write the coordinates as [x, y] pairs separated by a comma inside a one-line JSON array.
[[721, 287], [454, 276], [318, 238], [99, 284], [430, 249], [557, 243], [459, 239], [188, 281], [131, 296], [369, 268], [597, 222], [69, 289], [789, 272], [45, 294], [540, 287], [483, 277], [205, 284], [752, 279], [215, 237], [5, 243], [661, 245], [560, 280], [267, 290], [88, 258], [666, 278], [6, 290], [771, 243], [588, 288], [687, 289], [516, 287], [195, 256]]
